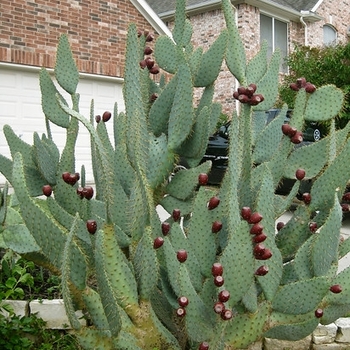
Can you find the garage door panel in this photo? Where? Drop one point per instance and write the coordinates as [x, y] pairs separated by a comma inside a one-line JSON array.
[[20, 107]]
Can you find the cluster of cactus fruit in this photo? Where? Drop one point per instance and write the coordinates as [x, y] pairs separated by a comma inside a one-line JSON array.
[[301, 83], [218, 273], [248, 95]]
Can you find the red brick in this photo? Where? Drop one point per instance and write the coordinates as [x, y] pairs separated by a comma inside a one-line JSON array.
[[40, 23]]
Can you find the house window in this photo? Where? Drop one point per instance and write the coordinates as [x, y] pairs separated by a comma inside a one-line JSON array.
[[275, 32], [329, 35]]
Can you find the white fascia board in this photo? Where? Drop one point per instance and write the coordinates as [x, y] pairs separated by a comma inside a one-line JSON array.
[[283, 12], [274, 8], [151, 17], [192, 10], [319, 2]]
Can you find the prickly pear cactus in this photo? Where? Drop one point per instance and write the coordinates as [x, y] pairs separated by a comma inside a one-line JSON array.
[[218, 273]]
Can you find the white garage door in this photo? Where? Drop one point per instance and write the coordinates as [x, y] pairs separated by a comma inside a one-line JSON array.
[[20, 108]]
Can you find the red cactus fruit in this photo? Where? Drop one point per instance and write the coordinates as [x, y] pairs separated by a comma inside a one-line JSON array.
[[267, 254], [253, 86], [216, 227], [149, 62], [180, 312], [73, 178], [88, 192], [246, 212], [280, 225], [143, 64], [226, 315], [149, 38], [47, 190], [259, 238], [262, 270], [181, 255], [345, 207], [203, 346], [250, 91], [310, 88], [219, 281], [300, 174], [255, 218], [242, 90], [346, 197], [224, 296], [294, 86], [235, 95], [286, 129], [165, 228], [301, 82], [219, 307], [256, 229], [97, 118], [66, 176], [306, 197], [292, 131], [158, 242], [202, 179], [259, 250], [297, 138], [256, 99], [213, 202], [80, 192], [217, 269], [319, 313], [313, 226], [106, 116], [176, 214], [336, 288], [153, 97], [154, 70], [147, 50], [243, 98], [183, 301], [91, 226]]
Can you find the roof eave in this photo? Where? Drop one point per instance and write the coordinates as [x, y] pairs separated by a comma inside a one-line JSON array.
[[274, 8], [311, 16], [193, 9], [266, 5], [151, 17]]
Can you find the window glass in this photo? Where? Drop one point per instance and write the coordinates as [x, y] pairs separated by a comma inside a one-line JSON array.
[[275, 32], [266, 32], [329, 35]]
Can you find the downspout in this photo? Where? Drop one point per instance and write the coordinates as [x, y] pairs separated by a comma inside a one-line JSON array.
[[306, 41]]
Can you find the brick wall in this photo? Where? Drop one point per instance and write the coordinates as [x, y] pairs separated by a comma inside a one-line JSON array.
[[207, 26], [29, 32], [335, 13]]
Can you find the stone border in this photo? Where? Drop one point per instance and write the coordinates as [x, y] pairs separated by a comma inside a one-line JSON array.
[[335, 336], [51, 311]]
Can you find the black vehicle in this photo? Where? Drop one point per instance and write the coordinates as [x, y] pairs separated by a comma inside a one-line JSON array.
[[217, 150]]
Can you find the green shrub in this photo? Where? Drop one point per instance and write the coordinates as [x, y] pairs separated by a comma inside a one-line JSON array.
[[29, 332], [320, 66]]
